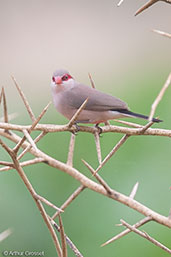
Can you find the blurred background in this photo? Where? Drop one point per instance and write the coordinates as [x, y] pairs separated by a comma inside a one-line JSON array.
[[126, 59]]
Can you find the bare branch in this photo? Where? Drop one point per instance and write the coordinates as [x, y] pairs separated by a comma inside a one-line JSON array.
[[130, 124], [98, 177], [50, 227], [150, 3], [113, 151], [134, 190], [29, 138], [146, 236], [49, 128], [148, 125], [91, 80], [1, 94], [69, 200], [8, 149], [126, 231], [86, 182], [30, 112], [120, 2], [63, 239], [103, 188], [98, 148], [16, 148], [165, 34], [159, 97], [42, 199], [25, 163], [5, 234], [38, 203], [71, 150], [75, 116], [40, 136], [69, 242], [5, 106], [33, 193], [8, 164]]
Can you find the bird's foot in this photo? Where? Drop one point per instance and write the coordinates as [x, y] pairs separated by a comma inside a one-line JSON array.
[[76, 129], [99, 129]]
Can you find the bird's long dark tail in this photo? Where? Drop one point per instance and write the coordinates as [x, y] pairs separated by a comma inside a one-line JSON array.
[[134, 114]]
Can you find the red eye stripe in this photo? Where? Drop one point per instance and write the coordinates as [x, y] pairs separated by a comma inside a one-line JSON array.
[[53, 79], [66, 77]]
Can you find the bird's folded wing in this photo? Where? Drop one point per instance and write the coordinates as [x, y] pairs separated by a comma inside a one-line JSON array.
[[97, 101]]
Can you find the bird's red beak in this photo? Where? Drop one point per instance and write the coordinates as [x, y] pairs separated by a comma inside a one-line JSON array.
[[58, 80]]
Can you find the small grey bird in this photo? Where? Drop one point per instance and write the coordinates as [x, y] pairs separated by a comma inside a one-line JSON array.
[[68, 96]]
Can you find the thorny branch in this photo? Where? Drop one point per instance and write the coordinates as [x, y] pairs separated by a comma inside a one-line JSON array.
[[26, 142], [120, 2], [165, 34], [146, 6], [150, 3], [145, 235]]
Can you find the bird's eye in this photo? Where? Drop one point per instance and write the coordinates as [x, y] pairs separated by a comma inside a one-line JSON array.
[[53, 79], [65, 77]]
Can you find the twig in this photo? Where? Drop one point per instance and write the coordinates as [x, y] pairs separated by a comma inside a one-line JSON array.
[[91, 80], [69, 200], [120, 2], [112, 152], [5, 234], [165, 34], [150, 3], [159, 97], [130, 124], [98, 177], [50, 227], [98, 148], [23, 164], [146, 236], [16, 148], [8, 164], [7, 148], [75, 116], [1, 95], [63, 239], [42, 199], [71, 150], [134, 190], [69, 242], [33, 194], [148, 125], [40, 136], [38, 203], [30, 112], [29, 138], [126, 231], [5, 106]]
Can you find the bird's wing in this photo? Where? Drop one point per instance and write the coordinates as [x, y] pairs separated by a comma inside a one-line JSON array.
[[97, 101]]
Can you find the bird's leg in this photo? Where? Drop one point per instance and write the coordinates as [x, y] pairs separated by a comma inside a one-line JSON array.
[[99, 128], [76, 129]]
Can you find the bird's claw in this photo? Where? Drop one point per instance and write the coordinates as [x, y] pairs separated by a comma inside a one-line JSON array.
[[76, 129], [99, 129]]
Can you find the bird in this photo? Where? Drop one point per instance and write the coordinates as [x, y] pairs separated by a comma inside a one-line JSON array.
[[68, 95]]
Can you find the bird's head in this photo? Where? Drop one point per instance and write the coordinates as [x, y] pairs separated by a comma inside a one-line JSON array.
[[61, 77]]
